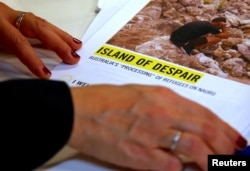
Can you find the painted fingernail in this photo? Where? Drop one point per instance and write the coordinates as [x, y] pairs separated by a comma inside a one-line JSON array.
[[74, 54], [46, 71], [241, 142], [77, 41]]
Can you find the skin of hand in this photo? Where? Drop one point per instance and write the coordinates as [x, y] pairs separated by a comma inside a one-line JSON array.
[[53, 38], [133, 126]]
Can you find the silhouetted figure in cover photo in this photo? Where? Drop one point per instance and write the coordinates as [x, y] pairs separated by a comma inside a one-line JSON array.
[[199, 34]]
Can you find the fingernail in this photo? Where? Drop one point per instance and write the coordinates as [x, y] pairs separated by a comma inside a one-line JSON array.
[[241, 142], [77, 41], [74, 54], [46, 71]]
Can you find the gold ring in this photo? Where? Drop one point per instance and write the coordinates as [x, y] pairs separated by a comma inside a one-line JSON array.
[[19, 20]]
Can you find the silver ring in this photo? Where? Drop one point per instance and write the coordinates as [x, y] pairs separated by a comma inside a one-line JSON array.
[[19, 20], [175, 140]]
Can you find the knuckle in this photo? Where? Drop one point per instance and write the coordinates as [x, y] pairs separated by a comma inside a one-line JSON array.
[[41, 23]]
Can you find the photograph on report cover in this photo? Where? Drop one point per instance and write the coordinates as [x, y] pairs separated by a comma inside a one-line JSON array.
[[211, 36]]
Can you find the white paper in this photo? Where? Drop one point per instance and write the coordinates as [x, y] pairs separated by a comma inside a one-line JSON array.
[[78, 165], [107, 9], [86, 165]]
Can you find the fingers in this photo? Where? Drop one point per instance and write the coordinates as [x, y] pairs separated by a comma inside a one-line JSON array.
[[165, 161], [203, 132], [52, 37], [210, 127], [208, 131], [30, 26], [192, 146], [14, 41], [141, 158], [201, 121]]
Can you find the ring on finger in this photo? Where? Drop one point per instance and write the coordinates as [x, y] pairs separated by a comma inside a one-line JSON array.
[[175, 140], [19, 20]]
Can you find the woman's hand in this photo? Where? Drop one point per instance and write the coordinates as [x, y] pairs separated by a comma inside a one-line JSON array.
[[133, 126], [15, 40]]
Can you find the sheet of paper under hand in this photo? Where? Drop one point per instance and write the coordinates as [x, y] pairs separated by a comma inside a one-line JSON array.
[[105, 10]]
